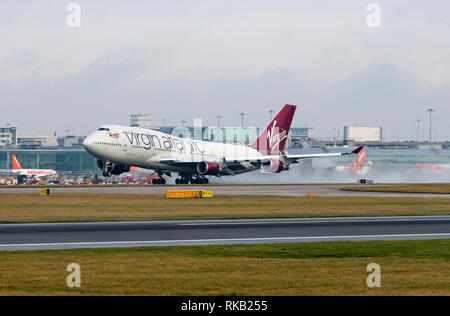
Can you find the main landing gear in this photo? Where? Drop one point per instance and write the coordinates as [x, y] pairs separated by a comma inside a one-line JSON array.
[[184, 179], [160, 180], [191, 180]]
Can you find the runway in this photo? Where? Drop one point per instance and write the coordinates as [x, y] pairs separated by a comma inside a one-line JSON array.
[[215, 232], [280, 190]]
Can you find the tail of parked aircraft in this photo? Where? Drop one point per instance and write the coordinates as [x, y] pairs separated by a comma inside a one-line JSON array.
[[16, 164], [358, 163], [272, 140]]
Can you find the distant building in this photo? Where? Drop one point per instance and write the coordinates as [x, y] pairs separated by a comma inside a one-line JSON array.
[[361, 134], [36, 140], [140, 120], [233, 135], [298, 135], [239, 135], [182, 131], [77, 161], [8, 136], [71, 141]]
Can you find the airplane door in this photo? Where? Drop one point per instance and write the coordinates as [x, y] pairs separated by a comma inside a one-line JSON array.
[[124, 144]]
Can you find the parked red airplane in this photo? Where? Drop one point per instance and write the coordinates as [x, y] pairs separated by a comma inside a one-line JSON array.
[[358, 163], [35, 173]]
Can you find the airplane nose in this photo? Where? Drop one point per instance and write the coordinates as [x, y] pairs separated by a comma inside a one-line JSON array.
[[87, 143]]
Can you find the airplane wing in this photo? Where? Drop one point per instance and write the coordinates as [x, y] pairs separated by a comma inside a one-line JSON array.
[[252, 159], [294, 158], [290, 158], [186, 160], [227, 160]]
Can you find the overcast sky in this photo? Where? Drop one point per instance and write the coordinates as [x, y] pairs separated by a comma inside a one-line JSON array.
[[188, 59]]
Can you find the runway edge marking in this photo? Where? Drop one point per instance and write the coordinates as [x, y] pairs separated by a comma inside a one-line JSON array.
[[225, 240]]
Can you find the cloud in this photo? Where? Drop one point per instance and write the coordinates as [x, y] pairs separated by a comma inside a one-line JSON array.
[[113, 87], [23, 59], [127, 64], [179, 60], [324, 41]]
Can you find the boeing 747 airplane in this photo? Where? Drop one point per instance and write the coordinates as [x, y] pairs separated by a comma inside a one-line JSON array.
[[117, 148]]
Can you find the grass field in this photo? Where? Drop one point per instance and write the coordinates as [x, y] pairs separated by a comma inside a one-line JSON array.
[[338, 268], [80, 207], [436, 188]]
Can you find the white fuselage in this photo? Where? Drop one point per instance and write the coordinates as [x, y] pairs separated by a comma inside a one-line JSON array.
[[154, 150], [36, 173]]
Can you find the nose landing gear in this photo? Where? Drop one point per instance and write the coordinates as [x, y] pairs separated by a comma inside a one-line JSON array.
[[107, 169]]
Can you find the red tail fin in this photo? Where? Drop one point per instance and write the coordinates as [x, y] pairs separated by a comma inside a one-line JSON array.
[[273, 138], [358, 163], [16, 164]]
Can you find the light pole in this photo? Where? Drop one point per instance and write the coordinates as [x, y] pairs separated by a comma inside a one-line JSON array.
[[7, 143], [242, 114], [418, 130], [271, 114], [182, 122], [7, 160], [431, 111], [218, 120]]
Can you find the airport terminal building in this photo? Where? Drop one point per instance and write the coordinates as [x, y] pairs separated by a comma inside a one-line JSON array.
[[78, 161], [66, 154], [75, 161]]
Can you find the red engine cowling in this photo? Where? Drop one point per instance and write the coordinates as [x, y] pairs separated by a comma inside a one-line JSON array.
[[208, 168], [274, 166]]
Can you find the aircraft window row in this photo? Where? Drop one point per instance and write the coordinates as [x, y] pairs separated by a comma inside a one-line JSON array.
[[106, 143]]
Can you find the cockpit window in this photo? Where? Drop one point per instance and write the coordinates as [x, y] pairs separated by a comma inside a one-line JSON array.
[[104, 129]]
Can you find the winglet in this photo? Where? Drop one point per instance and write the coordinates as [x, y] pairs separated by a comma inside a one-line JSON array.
[[357, 150]]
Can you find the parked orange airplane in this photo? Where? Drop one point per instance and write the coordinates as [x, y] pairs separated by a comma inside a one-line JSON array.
[[35, 173]]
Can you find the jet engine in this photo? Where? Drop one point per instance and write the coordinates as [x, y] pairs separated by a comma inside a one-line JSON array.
[[110, 168], [208, 168], [100, 164], [118, 169], [274, 166]]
